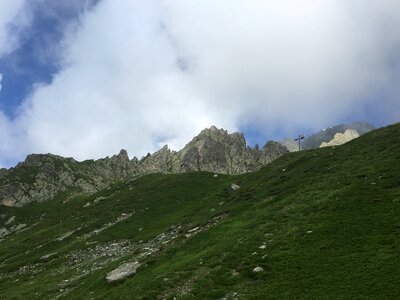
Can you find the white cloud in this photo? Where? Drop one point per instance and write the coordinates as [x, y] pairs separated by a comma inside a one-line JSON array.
[[13, 19], [138, 74], [120, 88]]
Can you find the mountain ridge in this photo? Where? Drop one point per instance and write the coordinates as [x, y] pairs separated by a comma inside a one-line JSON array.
[[42, 176]]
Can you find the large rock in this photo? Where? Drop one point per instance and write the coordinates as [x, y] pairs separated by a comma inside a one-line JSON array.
[[122, 272]]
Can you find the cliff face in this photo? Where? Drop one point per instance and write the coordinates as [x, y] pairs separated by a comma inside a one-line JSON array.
[[215, 150], [42, 177]]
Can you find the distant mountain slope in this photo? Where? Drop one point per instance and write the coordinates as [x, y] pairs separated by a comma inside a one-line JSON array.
[[319, 224], [41, 177]]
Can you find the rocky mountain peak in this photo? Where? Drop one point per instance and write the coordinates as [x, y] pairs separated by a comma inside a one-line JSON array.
[[209, 137], [38, 160], [34, 160], [123, 154], [164, 149], [214, 128], [213, 131]]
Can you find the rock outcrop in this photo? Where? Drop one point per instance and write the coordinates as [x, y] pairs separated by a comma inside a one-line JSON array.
[[42, 177], [341, 138], [314, 141], [215, 150]]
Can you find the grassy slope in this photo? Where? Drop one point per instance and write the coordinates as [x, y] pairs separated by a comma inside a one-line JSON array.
[[329, 219]]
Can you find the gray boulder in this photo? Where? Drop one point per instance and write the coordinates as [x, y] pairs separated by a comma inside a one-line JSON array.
[[122, 272]]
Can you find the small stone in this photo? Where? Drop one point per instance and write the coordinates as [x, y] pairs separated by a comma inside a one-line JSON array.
[[309, 231], [10, 220], [193, 229], [258, 269], [47, 256], [234, 187], [215, 175], [262, 247], [283, 170]]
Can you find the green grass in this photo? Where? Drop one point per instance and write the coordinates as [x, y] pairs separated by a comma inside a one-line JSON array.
[[329, 219]]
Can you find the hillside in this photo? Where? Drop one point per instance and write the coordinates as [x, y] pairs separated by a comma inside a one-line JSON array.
[[315, 224]]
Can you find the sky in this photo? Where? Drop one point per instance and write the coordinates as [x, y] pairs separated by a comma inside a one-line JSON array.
[[86, 78]]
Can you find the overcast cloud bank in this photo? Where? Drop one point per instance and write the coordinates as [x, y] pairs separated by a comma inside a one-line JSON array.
[[141, 74]]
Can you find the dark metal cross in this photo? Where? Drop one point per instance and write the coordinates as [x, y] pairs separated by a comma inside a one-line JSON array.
[[299, 138]]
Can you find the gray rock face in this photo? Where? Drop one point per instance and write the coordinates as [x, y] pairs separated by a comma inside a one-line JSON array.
[[215, 150], [42, 177], [122, 272], [3, 172], [164, 161]]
